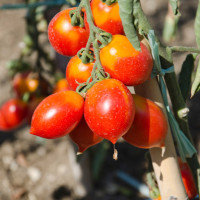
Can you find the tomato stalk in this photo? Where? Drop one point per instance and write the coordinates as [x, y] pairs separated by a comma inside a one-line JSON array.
[[177, 100], [97, 39]]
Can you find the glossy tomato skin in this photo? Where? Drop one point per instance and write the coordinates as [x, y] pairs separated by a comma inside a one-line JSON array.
[[57, 115], [109, 109], [107, 17], [188, 180], [61, 85], [3, 125], [14, 112], [83, 136], [77, 71], [65, 38], [124, 63], [149, 127], [23, 83]]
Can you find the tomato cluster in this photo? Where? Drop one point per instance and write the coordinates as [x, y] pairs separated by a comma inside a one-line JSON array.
[[106, 109]]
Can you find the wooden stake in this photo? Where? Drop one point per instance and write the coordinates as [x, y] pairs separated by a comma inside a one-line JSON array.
[[164, 163]]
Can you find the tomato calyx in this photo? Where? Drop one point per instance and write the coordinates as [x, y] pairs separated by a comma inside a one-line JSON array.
[[77, 17], [109, 2], [86, 55]]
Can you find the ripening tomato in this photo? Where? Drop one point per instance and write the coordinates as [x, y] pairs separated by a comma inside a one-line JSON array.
[[61, 85], [124, 63], [65, 38], [84, 137], [14, 112], [3, 125], [78, 72], [57, 115], [106, 17], [109, 109], [23, 83], [188, 179], [149, 127]]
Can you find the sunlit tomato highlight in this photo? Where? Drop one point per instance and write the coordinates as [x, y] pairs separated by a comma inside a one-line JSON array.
[[124, 63], [78, 72], [65, 38], [107, 17], [109, 109], [14, 112], [149, 127], [57, 115], [84, 137]]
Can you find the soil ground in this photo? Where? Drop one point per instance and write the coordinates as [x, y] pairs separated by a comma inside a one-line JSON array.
[[35, 169]]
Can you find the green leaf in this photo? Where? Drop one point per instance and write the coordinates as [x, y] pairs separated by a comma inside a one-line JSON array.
[[174, 5], [197, 25], [196, 83], [126, 14], [185, 76]]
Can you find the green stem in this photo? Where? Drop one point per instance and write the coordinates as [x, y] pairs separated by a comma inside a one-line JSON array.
[[185, 49], [177, 100]]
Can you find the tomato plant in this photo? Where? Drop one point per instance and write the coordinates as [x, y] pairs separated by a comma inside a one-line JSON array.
[[13, 113], [61, 85], [149, 127], [77, 72], [123, 62], [65, 38], [109, 109], [57, 115], [107, 17], [83, 136]]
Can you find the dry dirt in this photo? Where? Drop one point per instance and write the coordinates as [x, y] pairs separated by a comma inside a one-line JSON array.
[[35, 169]]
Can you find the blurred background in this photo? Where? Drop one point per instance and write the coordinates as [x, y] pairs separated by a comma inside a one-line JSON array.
[[36, 169]]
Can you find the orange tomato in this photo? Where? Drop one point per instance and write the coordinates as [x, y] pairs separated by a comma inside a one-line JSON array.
[[61, 85], [107, 17], [78, 72], [123, 62]]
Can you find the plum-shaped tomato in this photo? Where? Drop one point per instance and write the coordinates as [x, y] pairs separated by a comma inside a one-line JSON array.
[[65, 38], [107, 17], [57, 115], [149, 127], [78, 72], [13, 112], [188, 180], [123, 62], [84, 137], [109, 109]]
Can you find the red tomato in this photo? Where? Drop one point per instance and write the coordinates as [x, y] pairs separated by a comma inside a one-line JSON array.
[[65, 38], [57, 115], [61, 85], [106, 17], [78, 72], [14, 112], [109, 109], [23, 82], [3, 125], [124, 63], [149, 127], [188, 179], [84, 137]]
